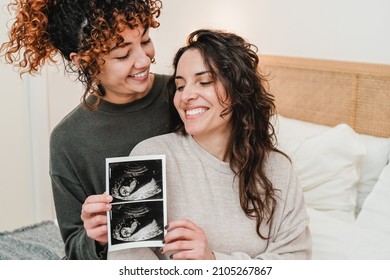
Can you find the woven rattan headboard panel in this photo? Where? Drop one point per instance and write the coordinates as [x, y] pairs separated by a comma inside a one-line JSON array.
[[331, 92]]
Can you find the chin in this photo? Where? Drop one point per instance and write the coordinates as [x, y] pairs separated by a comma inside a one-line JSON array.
[[193, 132]]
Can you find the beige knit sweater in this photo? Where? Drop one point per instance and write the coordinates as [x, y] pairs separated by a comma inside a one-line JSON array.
[[201, 188]]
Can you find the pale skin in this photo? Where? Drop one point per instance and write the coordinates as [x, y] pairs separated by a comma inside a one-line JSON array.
[[126, 77], [198, 102], [187, 240]]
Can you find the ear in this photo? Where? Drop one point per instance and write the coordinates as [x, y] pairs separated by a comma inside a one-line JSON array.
[[75, 58]]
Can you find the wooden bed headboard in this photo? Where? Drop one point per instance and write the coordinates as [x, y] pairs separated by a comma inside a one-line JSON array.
[[331, 92]]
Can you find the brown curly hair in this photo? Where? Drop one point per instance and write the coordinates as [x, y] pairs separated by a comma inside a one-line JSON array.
[[44, 28], [234, 62]]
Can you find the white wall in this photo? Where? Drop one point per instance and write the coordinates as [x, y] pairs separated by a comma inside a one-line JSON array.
[[27, 115], [16, 199], [350, 30], [18, 196]]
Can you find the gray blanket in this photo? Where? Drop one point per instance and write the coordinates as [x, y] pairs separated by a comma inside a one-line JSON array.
[[40, 241]]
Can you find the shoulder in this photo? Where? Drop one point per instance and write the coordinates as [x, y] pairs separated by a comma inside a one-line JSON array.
[[69, 125], [158, 144], [160, 80], [280, 170], [157, 92], [161, 77], [276, 159]]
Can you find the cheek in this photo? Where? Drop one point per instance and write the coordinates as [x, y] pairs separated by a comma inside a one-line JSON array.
[[176, 101], [149, 51], [107, 77], [107, 69]]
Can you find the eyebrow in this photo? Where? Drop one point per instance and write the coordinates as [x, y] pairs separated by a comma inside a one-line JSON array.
[[125, 44], [196, 75], [120, 46]]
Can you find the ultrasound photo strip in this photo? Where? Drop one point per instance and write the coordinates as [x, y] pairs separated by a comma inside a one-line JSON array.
[[138, 215]]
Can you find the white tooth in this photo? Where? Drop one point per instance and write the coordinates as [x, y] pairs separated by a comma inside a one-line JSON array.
[[140, 75], [195, 111]]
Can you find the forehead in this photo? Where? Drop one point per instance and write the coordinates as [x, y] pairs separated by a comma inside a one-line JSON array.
[[191, 61]]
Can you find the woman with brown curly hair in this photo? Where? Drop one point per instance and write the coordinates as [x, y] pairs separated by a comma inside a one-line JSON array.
[[231, 193], [107, 44]]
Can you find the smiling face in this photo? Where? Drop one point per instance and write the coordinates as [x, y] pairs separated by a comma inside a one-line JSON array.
[[198, 99], [125, 74]]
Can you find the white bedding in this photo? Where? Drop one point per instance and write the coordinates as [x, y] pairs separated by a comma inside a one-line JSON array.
[[346, 182], [337, 239]]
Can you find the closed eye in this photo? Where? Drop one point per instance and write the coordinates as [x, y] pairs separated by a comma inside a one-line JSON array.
[[179, 88], [122, 57], [146, 42]]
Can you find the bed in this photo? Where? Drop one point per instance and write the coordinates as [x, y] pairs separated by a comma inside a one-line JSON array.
[[333, 119], [40, 241]]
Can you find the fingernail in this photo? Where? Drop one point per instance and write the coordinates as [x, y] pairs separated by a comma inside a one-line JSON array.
[[167, 226]]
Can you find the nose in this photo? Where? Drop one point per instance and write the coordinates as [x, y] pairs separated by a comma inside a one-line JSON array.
[[142, 59], [188, 93]]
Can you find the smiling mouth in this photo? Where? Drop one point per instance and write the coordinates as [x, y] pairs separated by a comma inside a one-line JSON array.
[[140, 75], [196, 111]]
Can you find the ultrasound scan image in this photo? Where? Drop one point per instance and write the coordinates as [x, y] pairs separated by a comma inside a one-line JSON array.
[[137, 180], [134, 222]]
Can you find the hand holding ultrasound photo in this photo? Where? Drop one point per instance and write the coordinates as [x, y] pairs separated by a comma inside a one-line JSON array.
[[138, 214]]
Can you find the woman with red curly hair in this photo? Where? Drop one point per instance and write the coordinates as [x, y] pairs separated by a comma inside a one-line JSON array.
[[107, 44]]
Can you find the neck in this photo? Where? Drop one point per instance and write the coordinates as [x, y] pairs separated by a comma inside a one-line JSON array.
[[216, 145]]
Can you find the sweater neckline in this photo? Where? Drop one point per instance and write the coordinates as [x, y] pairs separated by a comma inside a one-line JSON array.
[[134, 106], [206, 157]]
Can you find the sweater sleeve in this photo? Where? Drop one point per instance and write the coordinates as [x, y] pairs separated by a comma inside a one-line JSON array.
[[291, 237], [68, 208], [69, 196]]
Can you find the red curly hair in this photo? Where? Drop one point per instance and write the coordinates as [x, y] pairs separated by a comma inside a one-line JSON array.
[[44, 28]]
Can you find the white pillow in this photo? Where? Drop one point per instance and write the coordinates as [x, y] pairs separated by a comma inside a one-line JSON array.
[[376, 158], [375, 213], [326, 164], [295, 130]]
